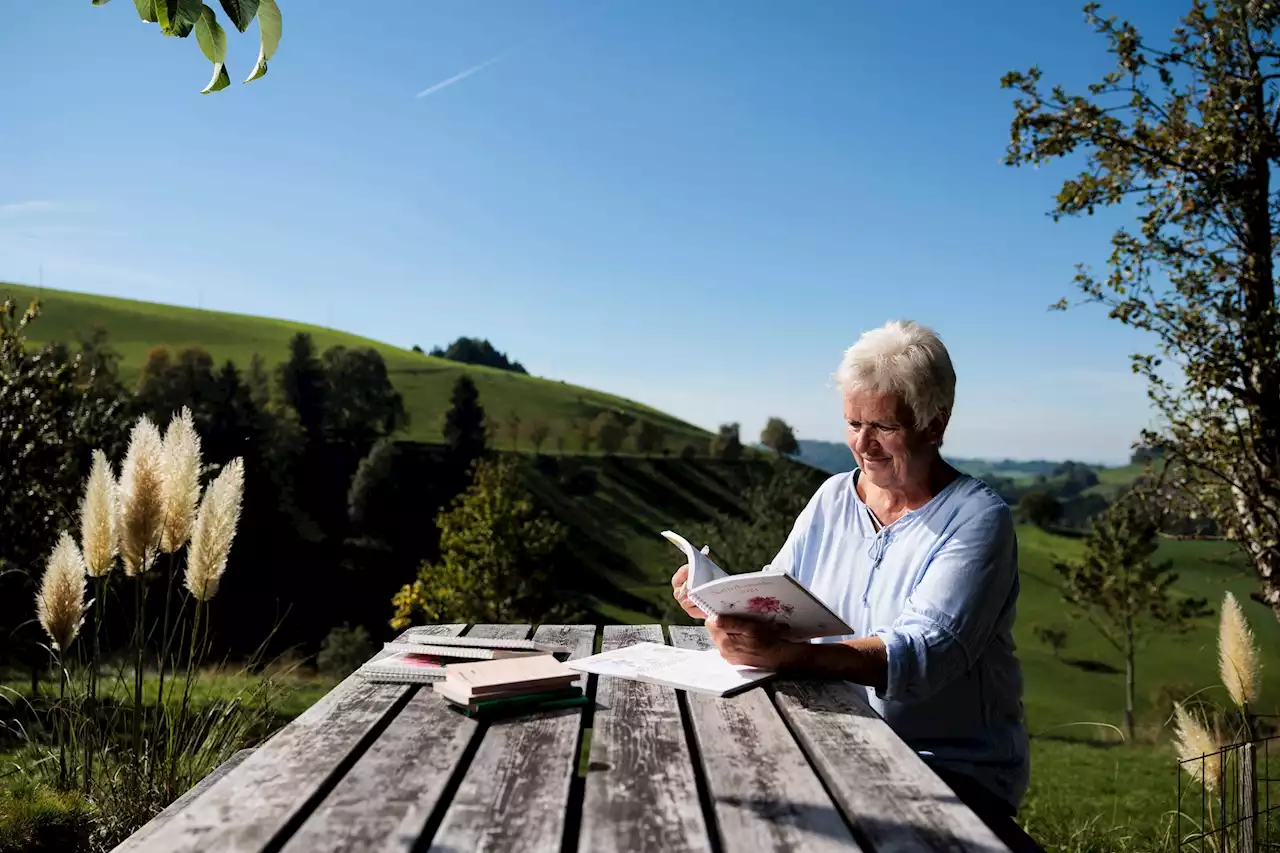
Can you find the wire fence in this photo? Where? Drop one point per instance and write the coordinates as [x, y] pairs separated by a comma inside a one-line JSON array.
[[1229, 800]]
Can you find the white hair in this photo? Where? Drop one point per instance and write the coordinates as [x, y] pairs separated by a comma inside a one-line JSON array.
[[903, 358]]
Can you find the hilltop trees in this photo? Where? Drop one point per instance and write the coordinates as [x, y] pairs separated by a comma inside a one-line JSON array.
[[477, 351], [1187, 134], [727, 444], [778, 437], [1119, 588]]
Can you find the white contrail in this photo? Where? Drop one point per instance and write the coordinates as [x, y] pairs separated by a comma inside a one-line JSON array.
[[475, 69]]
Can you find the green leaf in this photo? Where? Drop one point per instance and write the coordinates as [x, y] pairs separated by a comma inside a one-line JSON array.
[[178, 17], [221, 79], [212, 38], [101, 2], [147, 10], [269, 25], [240, 12]]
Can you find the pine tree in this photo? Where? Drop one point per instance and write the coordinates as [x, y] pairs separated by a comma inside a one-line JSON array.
[[464, 425]]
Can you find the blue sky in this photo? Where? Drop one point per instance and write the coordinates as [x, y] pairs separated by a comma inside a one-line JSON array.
[[694, 204]]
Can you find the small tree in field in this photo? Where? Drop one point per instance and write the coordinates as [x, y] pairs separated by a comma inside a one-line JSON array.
[[778, 437], [1053, 636], [1186, 135], [1123, 592], [648, 436], [610, 432], [538, 434], [513, 426]]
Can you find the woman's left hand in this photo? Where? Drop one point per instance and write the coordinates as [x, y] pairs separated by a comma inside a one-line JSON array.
[[748, 642]]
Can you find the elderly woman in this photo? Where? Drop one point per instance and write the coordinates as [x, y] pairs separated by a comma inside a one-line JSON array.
[[921, 560]]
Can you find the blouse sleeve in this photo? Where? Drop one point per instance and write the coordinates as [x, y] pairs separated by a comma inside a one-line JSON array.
[[956, 608]]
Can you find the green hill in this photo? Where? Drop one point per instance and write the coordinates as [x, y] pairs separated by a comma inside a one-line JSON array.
[[134, 328]]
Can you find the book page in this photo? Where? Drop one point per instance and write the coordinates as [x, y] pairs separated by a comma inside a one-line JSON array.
[[702, 671], [701, 569], [773, 597]]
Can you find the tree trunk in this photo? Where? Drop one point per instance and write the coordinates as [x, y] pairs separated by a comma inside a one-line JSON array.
[[1128, 677], [1260, 330]]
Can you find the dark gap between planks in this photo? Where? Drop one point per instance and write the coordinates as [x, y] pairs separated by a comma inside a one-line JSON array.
[[856, 831], [427, 837], [299, 817], [578, 781], [700, 782]]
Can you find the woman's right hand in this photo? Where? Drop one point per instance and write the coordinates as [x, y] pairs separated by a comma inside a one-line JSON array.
[[682, 597]]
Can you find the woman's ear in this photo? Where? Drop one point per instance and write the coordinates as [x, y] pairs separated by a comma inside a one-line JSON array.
[[933, 433]]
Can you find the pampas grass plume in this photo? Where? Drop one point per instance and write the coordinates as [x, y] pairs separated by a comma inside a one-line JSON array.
[[142, 497], [1237, 654], [100, 518], [181, 480], [60, 601], [214, 529], [1196, 746]]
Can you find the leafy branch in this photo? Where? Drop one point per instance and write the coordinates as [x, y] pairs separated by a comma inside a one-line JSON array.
[[181, 18]]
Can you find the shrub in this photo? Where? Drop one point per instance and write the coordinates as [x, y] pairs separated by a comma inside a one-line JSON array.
[[344, 650]]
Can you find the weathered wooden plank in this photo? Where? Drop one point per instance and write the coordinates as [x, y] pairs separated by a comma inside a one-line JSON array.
[[249, 806], [516, 792], [387, 797], [884, 788], [641, 793], [765, 794], [134, 842]]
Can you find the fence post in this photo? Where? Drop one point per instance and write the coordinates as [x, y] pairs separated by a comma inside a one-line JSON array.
[[1248, 799]]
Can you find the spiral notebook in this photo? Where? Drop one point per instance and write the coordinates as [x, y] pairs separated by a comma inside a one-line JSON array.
[[422, 636], [457, 652], [764, 595], [404, 668]]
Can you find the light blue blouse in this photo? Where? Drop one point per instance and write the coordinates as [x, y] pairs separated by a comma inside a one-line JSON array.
[[939, 587]]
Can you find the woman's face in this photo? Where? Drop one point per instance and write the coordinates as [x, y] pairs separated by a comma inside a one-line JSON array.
[[884, 440]]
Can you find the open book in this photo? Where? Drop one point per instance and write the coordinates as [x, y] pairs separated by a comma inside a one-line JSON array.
[[696, 670], [764, 595]]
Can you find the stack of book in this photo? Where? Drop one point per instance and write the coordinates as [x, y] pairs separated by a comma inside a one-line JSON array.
[[481, 677], [510, 685]]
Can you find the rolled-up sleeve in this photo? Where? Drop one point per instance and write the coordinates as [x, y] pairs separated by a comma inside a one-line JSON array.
[[954, 610]]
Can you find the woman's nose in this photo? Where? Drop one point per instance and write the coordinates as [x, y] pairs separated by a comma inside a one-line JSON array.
[[861, 442]]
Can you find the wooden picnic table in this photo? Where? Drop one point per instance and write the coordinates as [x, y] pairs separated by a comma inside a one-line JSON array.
[[794, 765]]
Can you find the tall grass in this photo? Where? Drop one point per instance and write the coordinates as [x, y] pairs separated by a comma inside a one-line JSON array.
[[125, 753]]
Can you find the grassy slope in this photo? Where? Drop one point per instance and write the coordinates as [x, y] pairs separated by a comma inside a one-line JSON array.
[[425, 382], [615, 531]]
